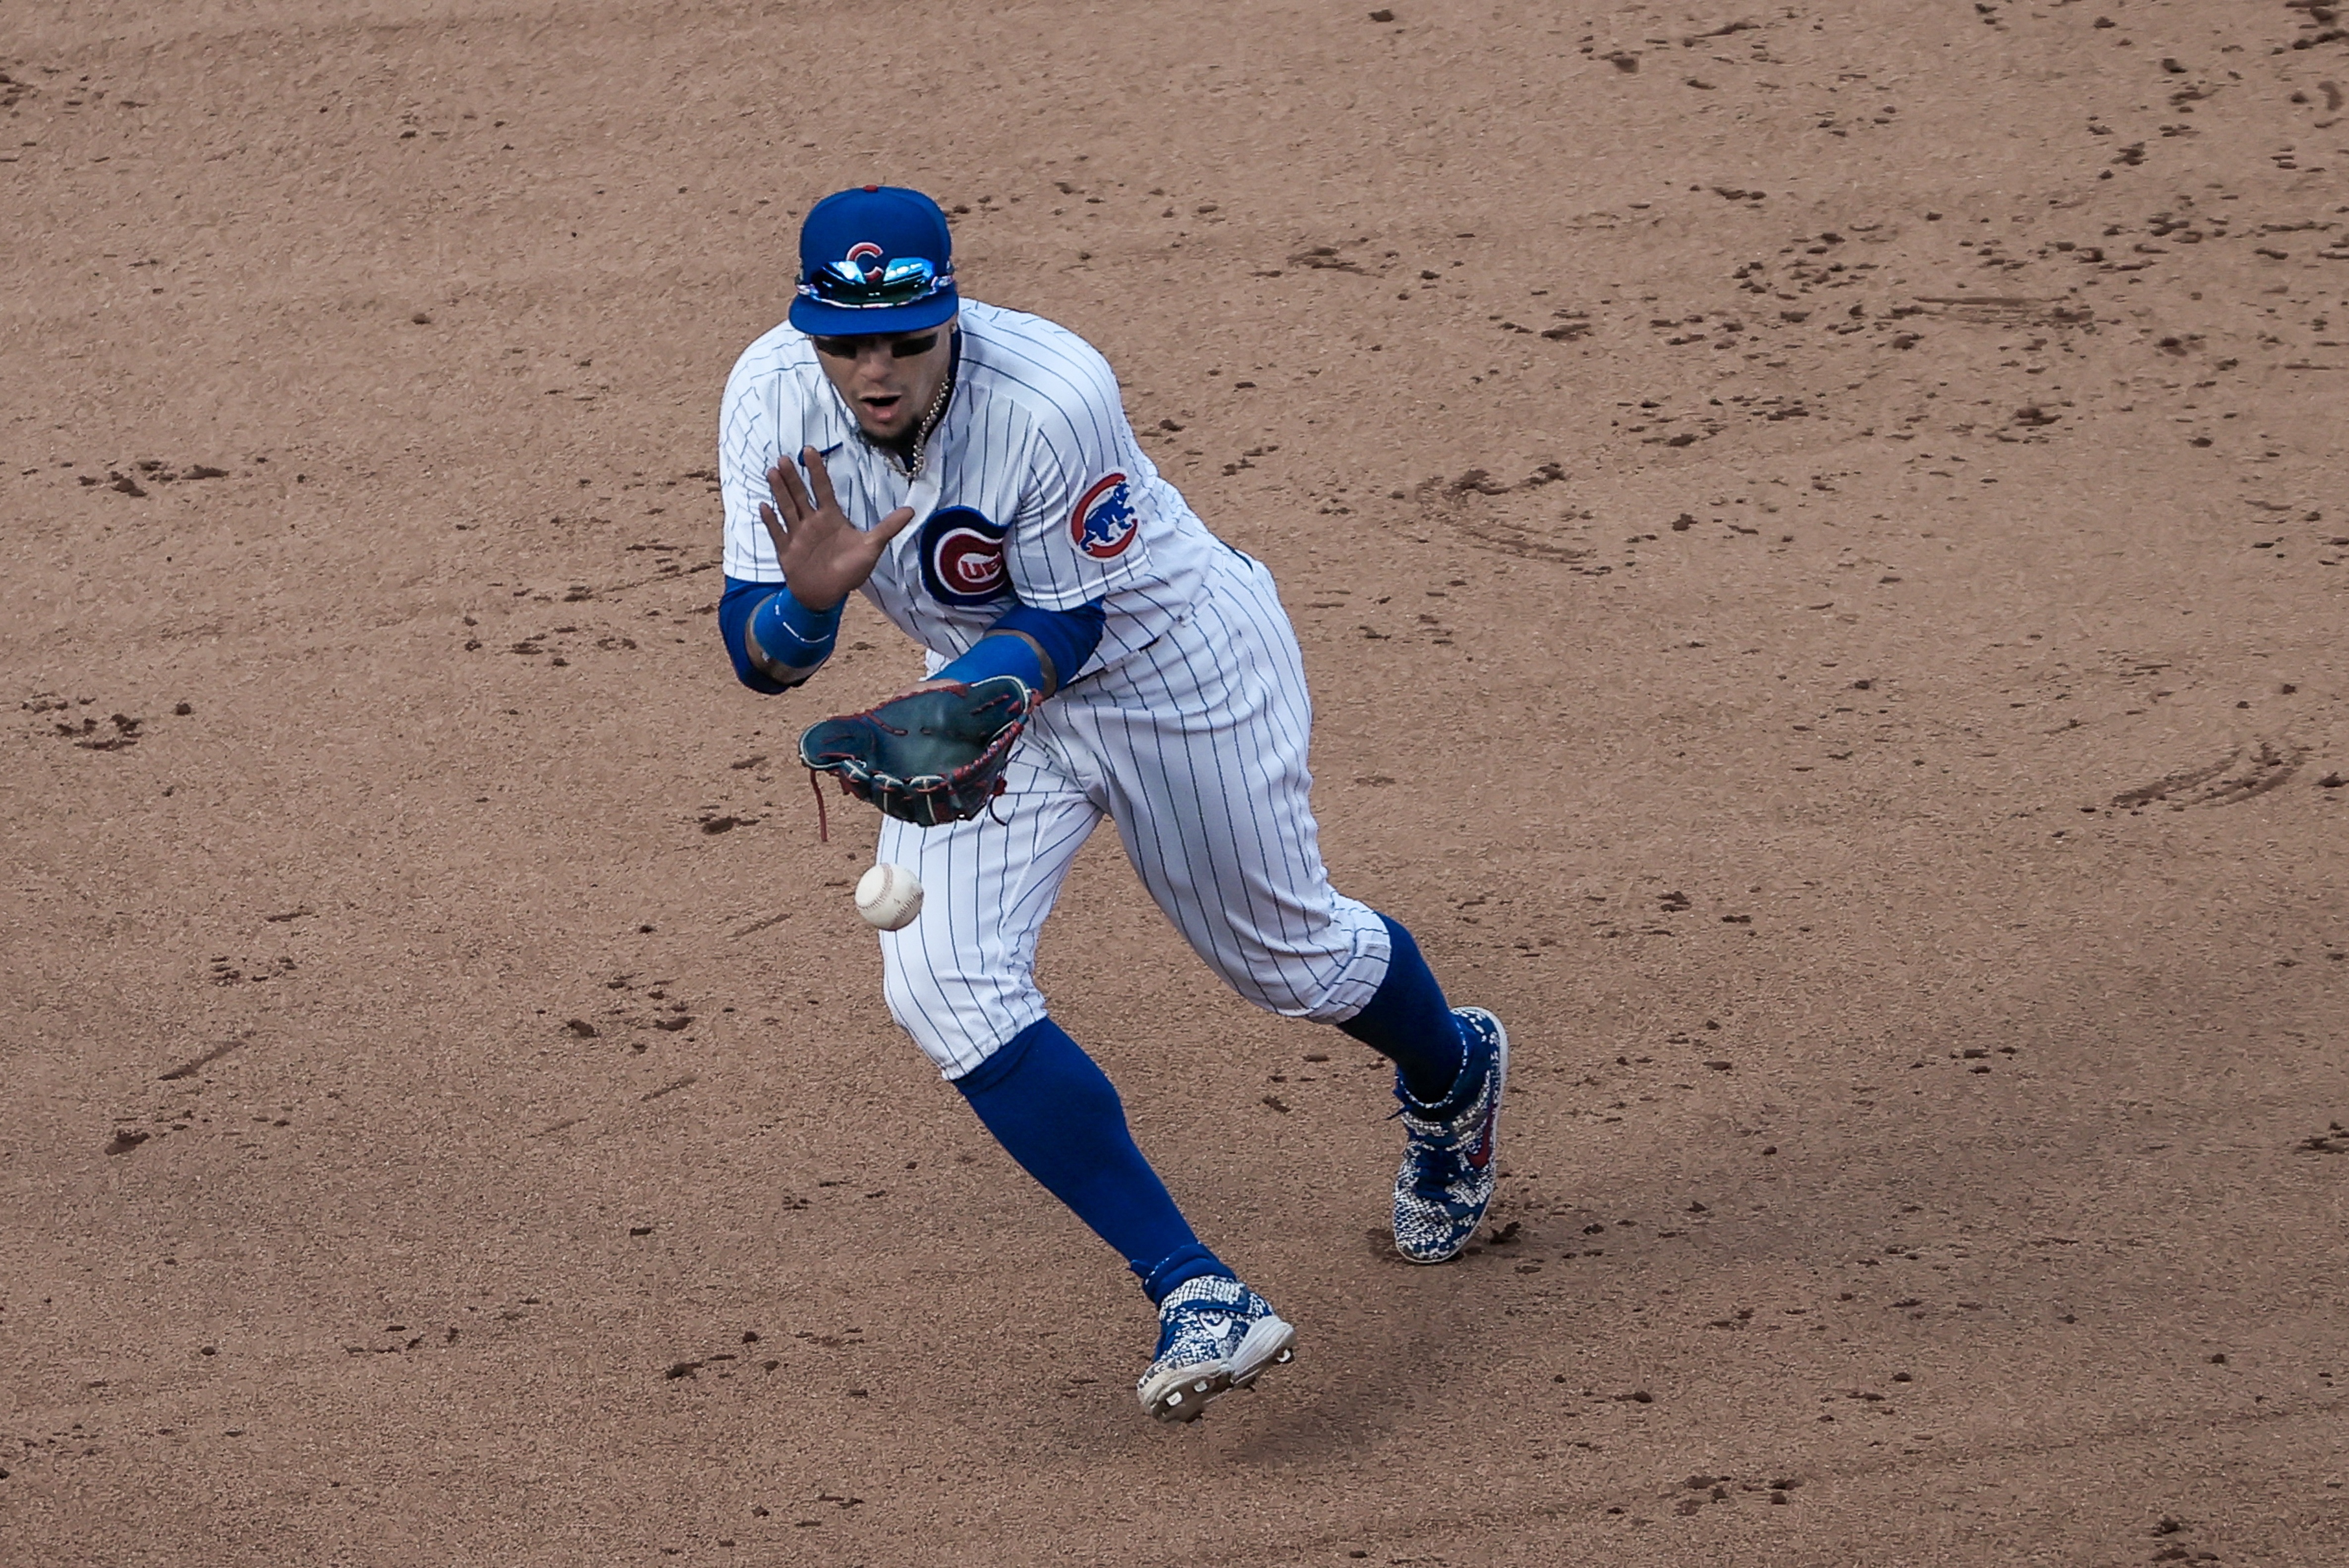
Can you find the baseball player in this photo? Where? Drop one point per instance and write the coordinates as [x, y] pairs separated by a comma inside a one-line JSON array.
[[971, 471]]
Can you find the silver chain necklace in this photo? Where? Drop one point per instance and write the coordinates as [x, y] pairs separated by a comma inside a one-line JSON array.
[[930, 424]]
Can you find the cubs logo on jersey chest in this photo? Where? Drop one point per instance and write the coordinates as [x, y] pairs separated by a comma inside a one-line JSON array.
[[962, 557]]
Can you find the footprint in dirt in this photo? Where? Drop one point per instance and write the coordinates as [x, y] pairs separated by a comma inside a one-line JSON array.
[[2248, 770]]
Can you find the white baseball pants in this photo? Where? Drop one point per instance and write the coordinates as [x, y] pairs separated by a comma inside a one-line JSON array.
[[1195, 747]]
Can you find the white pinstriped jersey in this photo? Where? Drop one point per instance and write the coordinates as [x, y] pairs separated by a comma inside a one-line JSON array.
[[1193, 738], [1032, 489]]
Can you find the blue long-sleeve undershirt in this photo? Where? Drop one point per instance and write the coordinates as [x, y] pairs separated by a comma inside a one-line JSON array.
[[1065, 637], [800, 639]]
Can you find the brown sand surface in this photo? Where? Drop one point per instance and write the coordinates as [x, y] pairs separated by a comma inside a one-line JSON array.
[[1819, 532]]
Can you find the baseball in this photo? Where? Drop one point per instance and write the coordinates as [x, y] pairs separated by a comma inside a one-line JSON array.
[[888, 897]]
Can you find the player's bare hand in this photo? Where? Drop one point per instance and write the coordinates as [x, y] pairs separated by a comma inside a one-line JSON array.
[[825, 556]]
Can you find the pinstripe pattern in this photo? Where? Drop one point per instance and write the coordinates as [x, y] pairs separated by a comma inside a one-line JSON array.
[[1198, 753], [1187, 726], [1034, 421]]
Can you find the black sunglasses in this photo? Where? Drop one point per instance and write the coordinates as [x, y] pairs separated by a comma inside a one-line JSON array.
[[902, 348]]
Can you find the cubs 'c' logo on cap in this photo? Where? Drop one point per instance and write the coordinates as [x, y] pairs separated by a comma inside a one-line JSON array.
[[1104, 522], [869, 259], [962, 558]]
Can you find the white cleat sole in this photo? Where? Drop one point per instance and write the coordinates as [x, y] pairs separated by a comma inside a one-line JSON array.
[[1184, 1396]]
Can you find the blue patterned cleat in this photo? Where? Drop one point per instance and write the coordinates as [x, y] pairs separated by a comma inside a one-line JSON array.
[[1447, 1175], [1214, 1334]]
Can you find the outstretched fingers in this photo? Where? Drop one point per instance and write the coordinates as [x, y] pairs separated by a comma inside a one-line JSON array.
[[790, 496], [819, 479], [774, 528], [824, 555]]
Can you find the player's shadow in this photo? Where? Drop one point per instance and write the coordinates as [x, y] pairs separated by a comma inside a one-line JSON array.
[[1394, 1342]]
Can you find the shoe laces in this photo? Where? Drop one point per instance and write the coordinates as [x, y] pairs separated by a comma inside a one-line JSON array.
[[1200, 1315], [1441, 1149]]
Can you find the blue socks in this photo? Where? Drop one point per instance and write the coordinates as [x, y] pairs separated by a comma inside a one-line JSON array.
[[1408, 1022], [1055, 1113]]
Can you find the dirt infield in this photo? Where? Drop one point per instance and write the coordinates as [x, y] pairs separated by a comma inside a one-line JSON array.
[[1820, 537]]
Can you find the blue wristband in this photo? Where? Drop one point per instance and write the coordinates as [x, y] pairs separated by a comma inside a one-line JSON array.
[[775, 641], [792, 633]]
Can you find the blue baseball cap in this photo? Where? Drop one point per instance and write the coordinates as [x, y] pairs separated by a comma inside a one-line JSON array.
[[873, 259]]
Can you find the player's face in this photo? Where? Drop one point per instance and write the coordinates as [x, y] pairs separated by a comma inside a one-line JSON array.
[[889, 379]]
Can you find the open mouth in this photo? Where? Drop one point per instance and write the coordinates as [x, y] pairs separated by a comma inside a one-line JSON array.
[[882, 407]]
